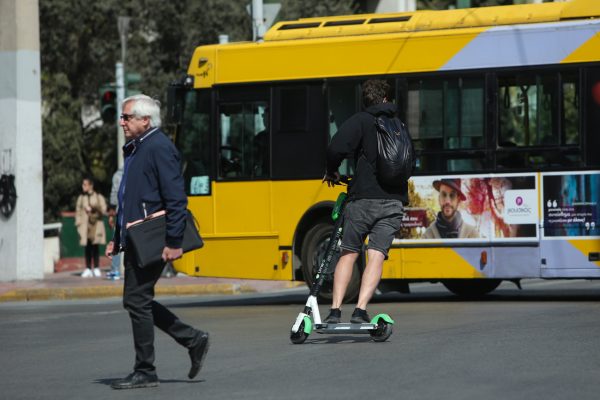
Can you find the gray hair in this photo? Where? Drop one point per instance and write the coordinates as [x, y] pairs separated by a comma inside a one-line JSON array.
[[145, 106]]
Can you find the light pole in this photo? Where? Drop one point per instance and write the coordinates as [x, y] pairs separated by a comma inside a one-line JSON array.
[[258, 23], [123, 24]]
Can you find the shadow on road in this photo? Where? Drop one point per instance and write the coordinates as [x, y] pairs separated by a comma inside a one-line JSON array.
[[269, 299], [298, 297], [109, 381], [339, 339]]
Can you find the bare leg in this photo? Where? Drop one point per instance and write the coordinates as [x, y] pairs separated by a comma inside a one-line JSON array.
[[342, 275], [370, 279]]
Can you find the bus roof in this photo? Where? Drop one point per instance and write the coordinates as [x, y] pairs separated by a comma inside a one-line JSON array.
[[430, 20], [421, 41]]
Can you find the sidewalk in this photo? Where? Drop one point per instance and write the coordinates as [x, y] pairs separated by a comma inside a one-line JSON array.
[[70, 285]]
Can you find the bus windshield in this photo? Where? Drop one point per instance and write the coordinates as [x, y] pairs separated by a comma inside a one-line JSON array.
[[193, 141]]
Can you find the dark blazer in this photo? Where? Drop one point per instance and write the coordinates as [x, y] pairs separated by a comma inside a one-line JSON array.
[[153, 182]]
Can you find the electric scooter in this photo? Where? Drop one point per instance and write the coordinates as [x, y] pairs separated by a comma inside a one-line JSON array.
[[309, 320]]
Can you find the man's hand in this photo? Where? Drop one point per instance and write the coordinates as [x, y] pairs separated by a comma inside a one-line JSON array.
[[108, 252], [332, 179], [170, 254]]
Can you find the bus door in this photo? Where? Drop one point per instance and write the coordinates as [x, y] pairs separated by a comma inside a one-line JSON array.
[[233, 201], [571, 199]]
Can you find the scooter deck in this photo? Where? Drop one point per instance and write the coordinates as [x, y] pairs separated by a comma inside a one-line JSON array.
[[344, 328]]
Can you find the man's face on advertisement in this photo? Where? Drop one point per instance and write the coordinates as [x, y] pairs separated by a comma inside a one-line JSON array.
[[448, 201]]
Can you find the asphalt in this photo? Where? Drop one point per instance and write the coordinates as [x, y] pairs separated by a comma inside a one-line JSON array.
[[70, 285]]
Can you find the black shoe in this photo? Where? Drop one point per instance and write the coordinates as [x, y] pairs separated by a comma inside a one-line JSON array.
[[360, 316], [136, 380], [197, 354], [334, 317]]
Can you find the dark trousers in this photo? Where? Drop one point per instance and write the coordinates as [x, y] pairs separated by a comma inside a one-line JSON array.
[[138, 300], [91, 254]]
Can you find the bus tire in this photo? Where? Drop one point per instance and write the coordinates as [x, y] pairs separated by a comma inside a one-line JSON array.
[[471, 287], [313, 250]]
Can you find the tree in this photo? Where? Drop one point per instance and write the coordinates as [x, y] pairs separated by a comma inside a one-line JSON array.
[[62, 143], [79, 45], [294, 9], [444, 4], [77, 52]]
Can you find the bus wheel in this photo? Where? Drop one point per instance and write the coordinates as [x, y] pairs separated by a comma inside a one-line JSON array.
[[471, 287], [313, 251]]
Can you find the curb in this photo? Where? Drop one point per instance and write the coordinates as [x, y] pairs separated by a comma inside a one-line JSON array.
[[108, 291]]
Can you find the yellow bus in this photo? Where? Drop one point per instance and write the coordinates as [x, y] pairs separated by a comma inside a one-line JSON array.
[[502, 101]]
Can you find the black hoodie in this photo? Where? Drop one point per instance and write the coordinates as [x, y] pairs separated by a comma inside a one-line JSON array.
[[357, 137]]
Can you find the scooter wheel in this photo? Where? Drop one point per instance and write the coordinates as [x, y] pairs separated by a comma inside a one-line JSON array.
[[382, 332], [300, 336]]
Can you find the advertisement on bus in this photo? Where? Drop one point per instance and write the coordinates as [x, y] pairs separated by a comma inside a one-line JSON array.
[[571, 204], [480, 208]]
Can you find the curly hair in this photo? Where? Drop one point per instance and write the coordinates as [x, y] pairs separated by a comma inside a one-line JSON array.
[[374, 91]]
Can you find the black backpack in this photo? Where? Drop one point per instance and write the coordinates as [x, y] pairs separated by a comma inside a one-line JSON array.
[[396, 157]]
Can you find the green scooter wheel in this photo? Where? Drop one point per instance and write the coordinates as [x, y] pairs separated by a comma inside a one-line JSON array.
[[300, 336], [382, 332]]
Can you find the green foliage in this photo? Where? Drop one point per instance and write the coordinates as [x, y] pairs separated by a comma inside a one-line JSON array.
[[80, 45], [445, 4], [62, 144], [294, 9]]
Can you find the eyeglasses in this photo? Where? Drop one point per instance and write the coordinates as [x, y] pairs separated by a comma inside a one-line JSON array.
[[451, 195], [126, 117]]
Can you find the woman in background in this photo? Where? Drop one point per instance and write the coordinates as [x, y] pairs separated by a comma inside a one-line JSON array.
[[89, 212]]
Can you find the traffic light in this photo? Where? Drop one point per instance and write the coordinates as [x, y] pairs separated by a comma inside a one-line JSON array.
[[108, 103]]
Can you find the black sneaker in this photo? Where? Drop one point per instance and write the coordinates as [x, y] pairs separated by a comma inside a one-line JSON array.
[[334, 317], [360, 316], [136, 380], [198, 354]]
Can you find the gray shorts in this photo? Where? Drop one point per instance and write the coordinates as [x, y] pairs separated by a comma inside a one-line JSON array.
[[380, 219]]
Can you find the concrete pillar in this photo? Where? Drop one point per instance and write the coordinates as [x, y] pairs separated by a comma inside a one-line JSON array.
[[21, 235]]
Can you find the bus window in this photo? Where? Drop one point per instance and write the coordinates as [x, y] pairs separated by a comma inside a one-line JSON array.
[[592, 106], [471, 128], [293, 103], [570, 107], [529, 117], [343, 101], [425, 114], [527, 110], [244, 140], [193, 140], [445, 115], [298, 137]]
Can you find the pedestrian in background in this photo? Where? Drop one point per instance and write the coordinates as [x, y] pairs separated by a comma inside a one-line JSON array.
[[115, 264], [89, 213], [152, 181]]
